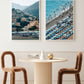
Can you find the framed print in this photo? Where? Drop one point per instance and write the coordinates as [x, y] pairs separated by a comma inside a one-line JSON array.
[[59, 20], [25, 19]]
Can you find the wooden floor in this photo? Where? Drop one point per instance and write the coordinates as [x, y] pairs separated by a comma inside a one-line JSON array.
[[32, 82]]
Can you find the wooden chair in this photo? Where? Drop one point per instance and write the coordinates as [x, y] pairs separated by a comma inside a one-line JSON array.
[[75, 70], [12, 70]]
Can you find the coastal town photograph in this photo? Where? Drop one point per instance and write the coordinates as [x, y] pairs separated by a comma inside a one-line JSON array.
[[59, 20], [25, 20]]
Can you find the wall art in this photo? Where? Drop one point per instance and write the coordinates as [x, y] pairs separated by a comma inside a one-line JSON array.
[[59, 20], [25, 19]]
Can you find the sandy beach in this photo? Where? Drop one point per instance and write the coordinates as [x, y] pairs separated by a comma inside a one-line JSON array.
[[59, 18]]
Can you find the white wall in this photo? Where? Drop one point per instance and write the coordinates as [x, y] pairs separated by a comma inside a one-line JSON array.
[[6, 43], [5, 32]]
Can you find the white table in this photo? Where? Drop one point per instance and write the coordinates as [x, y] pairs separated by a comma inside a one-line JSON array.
[[42, 69]]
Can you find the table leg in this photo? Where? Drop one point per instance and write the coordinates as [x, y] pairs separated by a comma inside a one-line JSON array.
[[43, 73]]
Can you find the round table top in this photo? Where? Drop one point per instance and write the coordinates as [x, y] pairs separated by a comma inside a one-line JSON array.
[[43, 60]]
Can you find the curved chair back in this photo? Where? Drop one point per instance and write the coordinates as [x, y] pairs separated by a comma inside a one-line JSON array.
[[7, 53], [79, 62]]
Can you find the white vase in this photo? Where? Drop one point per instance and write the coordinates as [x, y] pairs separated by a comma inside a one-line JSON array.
[[41, 56]]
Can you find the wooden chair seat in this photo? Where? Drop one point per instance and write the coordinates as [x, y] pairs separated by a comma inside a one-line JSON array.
[[68, 70], [15, 69]]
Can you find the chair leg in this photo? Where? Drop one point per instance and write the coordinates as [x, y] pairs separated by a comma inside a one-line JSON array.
[[25, 76], [5, 78], [77, 77], [12, 78], [59, 78]]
